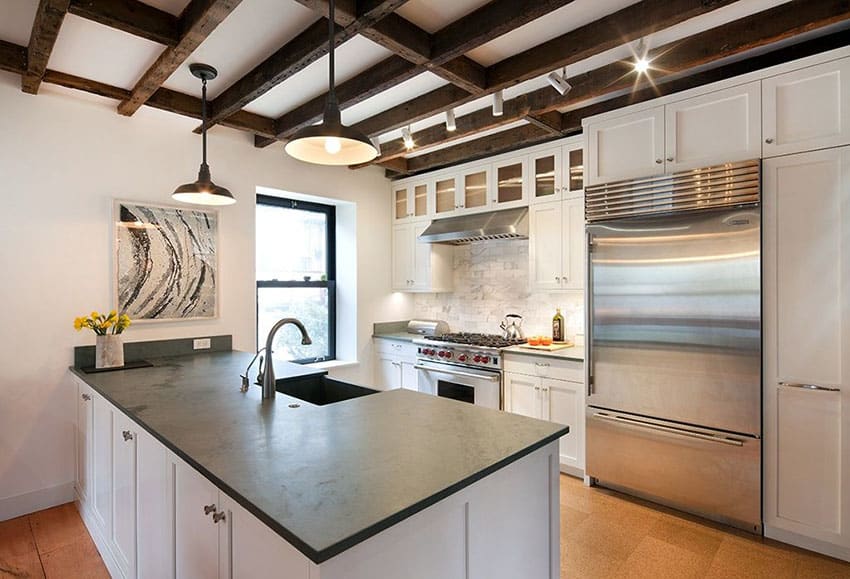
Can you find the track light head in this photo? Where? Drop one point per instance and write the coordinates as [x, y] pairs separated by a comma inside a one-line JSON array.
[[559, 82], [498, 104], [642, 62], [407, 138], [450, 120]]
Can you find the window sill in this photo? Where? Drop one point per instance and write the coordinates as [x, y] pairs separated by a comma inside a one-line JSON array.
[[334, 364]]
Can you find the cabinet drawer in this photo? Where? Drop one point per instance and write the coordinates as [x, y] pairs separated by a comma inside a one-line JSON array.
[[546, 367], [397, 348]]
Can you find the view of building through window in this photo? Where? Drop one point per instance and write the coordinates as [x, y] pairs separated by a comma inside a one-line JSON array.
[[296, 276]]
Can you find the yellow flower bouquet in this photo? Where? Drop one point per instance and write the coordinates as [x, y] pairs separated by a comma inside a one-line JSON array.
[[103, 324]]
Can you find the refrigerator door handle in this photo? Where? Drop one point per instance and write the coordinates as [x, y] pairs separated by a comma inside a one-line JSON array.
[[669, 429], [809, 386]]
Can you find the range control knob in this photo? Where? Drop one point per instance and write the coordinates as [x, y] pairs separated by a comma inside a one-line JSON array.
[[448, 354], [477, 357], [461, 358], [442, 354], [486, 359]]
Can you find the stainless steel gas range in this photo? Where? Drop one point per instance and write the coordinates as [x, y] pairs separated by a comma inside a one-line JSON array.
[[461, 366]]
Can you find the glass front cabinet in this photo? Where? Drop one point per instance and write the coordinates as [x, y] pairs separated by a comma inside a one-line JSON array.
[[557, 173], [510, 183], [411, 202]]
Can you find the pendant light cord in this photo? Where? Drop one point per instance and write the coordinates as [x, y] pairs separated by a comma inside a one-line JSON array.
[[331, 30], [204, 117]]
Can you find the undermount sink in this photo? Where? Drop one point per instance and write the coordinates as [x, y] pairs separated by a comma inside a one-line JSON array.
[[321, 389]]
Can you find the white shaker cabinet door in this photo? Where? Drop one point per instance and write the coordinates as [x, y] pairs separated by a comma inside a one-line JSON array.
[[101, 481], [625, 147], [85, 420], [402, 273], [122, 541], [524, 394], [719, 127], [807, 109], [545, 245], [807, 346], [196, 534], [564, 404], [155, 528], [574, 246]]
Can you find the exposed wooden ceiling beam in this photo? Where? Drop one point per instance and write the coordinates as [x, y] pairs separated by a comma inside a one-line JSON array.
[[613, 30], [509, 140], [570, 122], [45, 29], [294, 56], [13, 58], [131, 16], [197, 22], [551, 122]]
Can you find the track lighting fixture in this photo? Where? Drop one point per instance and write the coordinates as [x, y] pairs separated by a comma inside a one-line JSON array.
[[450, 120], [498, 103], [559, 81], [641, 61], [407, 137]]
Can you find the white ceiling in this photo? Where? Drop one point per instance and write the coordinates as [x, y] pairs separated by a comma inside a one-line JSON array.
[[257, 28]]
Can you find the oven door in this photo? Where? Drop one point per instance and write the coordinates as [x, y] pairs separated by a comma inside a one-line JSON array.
[[472, 385]]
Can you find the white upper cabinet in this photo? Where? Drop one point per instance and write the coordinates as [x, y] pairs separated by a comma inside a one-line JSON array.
[[715, 128], [418, 266], [806, 349], [445, 196], [401, 203], [573, 246], [626, 147], [412, 201], [510, 183], [807, 109], [475, 189], [572, 183], [545, 245]]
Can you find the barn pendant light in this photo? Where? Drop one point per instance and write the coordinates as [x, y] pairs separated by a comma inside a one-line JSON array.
[[331, 142], [203, 191]]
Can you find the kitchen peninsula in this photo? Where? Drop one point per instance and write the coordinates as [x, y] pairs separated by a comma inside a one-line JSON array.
[[178, 468]]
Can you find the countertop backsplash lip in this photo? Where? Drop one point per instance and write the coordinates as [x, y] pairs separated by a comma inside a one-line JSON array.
[[146, 349], [491, 279]]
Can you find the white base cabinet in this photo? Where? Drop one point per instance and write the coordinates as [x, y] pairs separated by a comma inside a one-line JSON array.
[[170, 522], [394, 365], [550, 389], [806, 350]]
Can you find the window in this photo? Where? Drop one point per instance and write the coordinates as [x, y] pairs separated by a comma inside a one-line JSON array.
[[296, 276]]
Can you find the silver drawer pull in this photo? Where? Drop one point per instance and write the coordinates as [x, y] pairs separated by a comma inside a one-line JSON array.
[[670, 429], [809, 386], [218, 517], [86, 397]]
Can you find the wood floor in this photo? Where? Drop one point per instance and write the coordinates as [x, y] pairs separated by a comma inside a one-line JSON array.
[[603, 535]]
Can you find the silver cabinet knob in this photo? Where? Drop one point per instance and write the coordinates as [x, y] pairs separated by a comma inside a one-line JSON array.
[[218, 517], [127, 435], [659, 161], [557, 279], [670, 159], [86, 397], [768, 140], [209, 509], [537, 387]]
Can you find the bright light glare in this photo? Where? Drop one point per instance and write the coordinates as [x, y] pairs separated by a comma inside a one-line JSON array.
[[641, 65], [333, 145]]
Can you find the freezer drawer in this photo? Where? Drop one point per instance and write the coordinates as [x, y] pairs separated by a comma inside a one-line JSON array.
[[709, 473]]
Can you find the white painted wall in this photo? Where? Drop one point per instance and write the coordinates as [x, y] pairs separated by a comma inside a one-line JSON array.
[[63, 157]]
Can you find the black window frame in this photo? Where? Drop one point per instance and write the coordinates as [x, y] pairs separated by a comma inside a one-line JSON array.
[[330, 283]]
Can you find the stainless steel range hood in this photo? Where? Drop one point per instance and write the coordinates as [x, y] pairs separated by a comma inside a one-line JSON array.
[[503, 224]]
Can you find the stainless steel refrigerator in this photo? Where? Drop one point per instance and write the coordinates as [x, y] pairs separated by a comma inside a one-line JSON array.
[[674, 356]]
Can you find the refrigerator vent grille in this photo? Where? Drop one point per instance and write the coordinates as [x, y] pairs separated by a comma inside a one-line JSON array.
[[726, 185]]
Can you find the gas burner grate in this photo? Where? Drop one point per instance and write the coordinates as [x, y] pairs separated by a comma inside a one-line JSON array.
[[482, 340]]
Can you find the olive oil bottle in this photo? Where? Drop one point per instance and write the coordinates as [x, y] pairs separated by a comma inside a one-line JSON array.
[[558, 326]]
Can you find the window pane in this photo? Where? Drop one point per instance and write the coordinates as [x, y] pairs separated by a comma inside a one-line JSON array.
[[291, 244], [308, 304]]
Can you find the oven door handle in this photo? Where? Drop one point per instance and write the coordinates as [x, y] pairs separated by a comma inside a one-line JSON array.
[[494, 378]]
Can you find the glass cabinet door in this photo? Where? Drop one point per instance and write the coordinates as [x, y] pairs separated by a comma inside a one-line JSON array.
[[420, 200], [446, 195], [510, 182], [475, 189], [546, 175], [402, 211], [574, 161]]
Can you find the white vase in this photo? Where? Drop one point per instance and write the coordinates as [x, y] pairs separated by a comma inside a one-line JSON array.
[[109, 351]]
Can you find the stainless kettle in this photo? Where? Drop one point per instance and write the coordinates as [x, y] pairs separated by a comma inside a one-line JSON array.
[[512, 327]]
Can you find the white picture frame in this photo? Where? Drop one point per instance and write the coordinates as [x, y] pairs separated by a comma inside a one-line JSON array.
[[165, 262]]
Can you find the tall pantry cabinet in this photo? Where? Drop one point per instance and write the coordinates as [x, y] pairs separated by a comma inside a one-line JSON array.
[[807, 350]]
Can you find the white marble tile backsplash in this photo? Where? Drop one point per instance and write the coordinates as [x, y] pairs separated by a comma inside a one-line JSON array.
[[491, 280]]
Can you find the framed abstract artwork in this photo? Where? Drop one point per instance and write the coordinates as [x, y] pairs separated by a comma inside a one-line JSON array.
[[166, 262]]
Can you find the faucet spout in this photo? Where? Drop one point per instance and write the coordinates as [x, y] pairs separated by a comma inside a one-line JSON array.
[[268, 373]]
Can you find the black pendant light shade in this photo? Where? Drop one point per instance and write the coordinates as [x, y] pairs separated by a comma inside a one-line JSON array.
[[331, 142], [203, 191]]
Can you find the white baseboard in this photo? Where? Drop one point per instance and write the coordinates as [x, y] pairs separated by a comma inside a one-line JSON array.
[[572, 471], [19, 505], [807, 543]]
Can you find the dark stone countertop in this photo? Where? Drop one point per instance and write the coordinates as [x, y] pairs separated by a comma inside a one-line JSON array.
[[324, 477]]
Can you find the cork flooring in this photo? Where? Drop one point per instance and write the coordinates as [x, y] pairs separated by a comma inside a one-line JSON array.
[[603, 535]]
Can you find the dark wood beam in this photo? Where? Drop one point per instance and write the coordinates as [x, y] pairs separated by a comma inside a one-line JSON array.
[[551, 122], [613, 30], [293, 57], [45, 29], [197, 22], [503, 142], [13, 58], [131, 16]]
